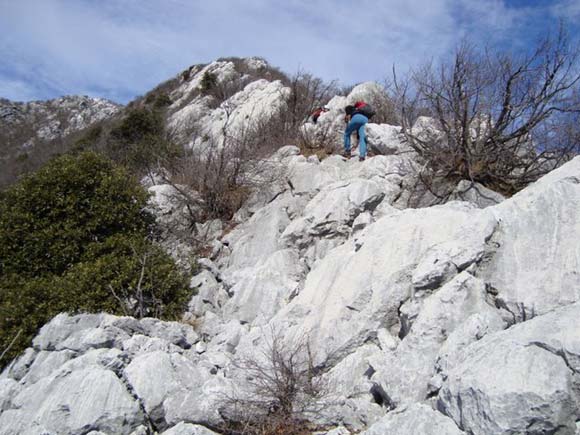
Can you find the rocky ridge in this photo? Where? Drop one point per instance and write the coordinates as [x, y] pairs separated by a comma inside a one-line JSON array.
[[461, 318], [33, 122]]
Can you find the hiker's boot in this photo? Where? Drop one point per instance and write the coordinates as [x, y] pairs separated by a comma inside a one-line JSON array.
[[346, 154], [361, 159]]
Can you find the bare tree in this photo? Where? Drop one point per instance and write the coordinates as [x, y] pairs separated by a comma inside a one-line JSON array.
[[495, 115]]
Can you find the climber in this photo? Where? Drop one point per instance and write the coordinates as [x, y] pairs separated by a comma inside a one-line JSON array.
[[319, 111], [356, 121]]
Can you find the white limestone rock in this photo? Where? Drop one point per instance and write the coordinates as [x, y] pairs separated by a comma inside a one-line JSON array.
[[350, 399], [362, 221], [188, 429], [46, 362], [175, 333], [331, 213], [426, 128], [76, 333], [71, 402], [18, 368], [164, 395], [222, 70], [261, 291], [258, 101], [211, 295], [536, 265], [358, 287], [443, 261], [8, 389], [140, 344], [476, 194], [405, 372], [227, 337], [258, 238], [307, 178], [385, 139], [473, 329], [209, 230], [533, 386], [414, 419]]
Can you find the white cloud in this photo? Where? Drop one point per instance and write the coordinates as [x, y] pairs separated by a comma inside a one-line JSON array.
[[567, 9], [118, 49]]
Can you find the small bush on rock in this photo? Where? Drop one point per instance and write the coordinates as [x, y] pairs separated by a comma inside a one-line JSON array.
[[281, 391]]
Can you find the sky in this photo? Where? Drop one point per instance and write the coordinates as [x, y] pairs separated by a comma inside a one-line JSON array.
[[120, 49]]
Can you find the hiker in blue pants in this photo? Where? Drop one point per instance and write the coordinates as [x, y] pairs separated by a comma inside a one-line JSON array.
[[356, 122]]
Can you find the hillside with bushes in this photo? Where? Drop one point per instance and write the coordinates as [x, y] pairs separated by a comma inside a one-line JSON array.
[[206, 261]]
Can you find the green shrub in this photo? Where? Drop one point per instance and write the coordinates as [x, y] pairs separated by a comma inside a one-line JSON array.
[[49, 218], [74, 237], [89, 140], [139, 142], [158, 100], [138, 124], [208, 82]]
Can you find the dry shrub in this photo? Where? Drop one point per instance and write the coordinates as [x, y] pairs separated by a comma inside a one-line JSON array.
[[282, 390], [499, 118]]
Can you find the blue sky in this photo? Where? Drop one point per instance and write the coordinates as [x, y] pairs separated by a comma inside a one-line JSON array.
[[119, 49]]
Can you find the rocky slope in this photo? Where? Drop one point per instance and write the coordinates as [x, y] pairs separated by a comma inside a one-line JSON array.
[[24, 126], [49, 120], [462, 318], [454, 318]]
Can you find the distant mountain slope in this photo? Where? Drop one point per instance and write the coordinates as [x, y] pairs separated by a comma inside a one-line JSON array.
[[32, 132], [25, 126]]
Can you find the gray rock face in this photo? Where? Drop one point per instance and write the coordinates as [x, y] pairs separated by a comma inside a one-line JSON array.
[[414, 419], [102, 373], [522, 380], [358, 287], [261, 291], [385, 139], [474, 310], [537, 262], [476, 194], [405, 372], [328, 218], [71, 402], [188, 429], [176, 392]]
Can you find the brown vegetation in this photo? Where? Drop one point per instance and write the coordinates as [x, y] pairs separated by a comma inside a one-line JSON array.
[[500, 119]]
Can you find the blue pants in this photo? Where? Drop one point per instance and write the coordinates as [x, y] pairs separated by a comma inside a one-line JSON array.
[[357, 123]]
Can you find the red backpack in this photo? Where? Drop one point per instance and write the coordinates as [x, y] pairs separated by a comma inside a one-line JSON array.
[[364, 109]]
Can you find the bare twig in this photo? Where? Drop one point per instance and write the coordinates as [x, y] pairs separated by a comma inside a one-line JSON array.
[[11, 344]]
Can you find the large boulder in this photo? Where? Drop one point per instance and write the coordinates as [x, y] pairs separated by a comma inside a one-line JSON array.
[[385, 139], [521, 380], [71, 402], [405, 372], [330, 213], [261, 291], [358, 287], [413, 420], [105, 374], [537, 258], [176, 392]]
